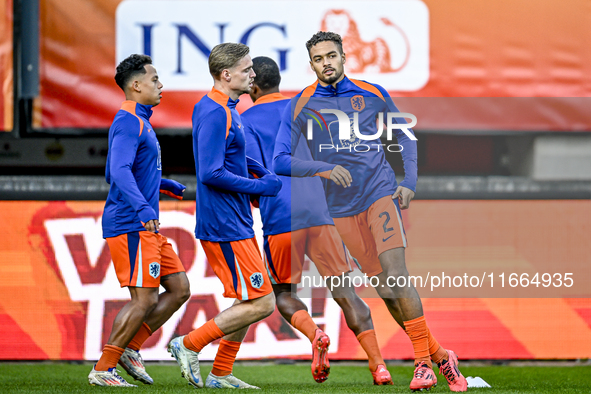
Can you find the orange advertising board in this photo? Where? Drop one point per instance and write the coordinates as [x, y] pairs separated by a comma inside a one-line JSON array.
[[59, 293], [6, 74], [430, 49]]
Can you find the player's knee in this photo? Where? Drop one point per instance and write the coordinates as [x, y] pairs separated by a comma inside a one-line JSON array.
[[266, 305], [183, 290], [352, 316], [393, 262], [395, 269], [148, 302], [357, 313], [363, 311], [386, 293], [285, 301], [282, 289]]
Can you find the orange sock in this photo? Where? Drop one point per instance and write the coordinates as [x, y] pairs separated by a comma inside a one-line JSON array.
[[438, 354], [225, 357], [109, 358], [417, 331], [302, 321], [369, 343], [143, 333], [197, 339]]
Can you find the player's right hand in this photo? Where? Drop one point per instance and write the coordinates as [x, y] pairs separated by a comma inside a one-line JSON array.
[[272, 185], [152, 226], [341, 176]]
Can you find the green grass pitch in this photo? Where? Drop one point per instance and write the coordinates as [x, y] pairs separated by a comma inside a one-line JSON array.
[[287, 379]]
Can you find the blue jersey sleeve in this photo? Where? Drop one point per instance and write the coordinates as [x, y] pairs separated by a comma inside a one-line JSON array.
[[253, 147], [409, 147], [172, 188], [284, 163], [254, 155], [124, 146], [256, 168], [211, 153]]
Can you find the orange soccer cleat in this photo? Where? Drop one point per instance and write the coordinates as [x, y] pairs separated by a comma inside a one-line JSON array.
[[381, 376], [320, 364], [449, 368], [424, 378]]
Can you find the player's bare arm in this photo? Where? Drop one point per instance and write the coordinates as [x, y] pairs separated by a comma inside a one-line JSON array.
[[404, 196]]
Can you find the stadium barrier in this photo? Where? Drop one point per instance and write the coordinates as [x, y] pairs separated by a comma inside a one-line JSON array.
[[59, 293]]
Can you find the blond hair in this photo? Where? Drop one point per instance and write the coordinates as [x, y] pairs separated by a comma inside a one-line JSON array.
[[225, 56]]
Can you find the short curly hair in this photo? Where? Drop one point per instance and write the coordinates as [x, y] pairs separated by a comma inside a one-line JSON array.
[[322, 36], [129, 67], [267, 72]]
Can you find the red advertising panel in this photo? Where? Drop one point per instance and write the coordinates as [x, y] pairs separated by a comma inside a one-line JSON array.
[[59, 293], [6, 85], [478, 49]]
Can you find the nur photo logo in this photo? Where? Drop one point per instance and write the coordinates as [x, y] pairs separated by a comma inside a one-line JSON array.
[[346, 134]]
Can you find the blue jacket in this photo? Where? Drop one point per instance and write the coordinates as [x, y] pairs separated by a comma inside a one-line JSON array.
[[133, 170], [301, 202], [373, 177], [223, 211]]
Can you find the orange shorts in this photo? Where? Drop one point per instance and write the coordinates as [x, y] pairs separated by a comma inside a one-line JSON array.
[[372, 232], [284, 253], [239, 266], [141, 258]]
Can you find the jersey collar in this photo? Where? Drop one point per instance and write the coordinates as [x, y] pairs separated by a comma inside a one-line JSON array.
[[145, 111], [329, 90], [270, 98], [220, 97]]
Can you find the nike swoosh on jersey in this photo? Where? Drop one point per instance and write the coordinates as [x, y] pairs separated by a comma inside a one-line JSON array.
[[385, 239]]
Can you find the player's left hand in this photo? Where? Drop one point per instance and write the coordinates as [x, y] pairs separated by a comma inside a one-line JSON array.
[[153, 226], [172, 188], [404, 196], [341, 176]]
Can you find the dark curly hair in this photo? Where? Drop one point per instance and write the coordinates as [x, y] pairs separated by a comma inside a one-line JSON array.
[[322, 36], [129, 67], [267, 72]]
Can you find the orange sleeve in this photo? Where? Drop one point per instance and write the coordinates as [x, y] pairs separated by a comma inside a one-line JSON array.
[[323, 174]]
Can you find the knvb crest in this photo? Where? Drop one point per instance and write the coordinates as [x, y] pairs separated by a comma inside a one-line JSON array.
[[256, 280], [357, 102], [351, 141], [154, 270]]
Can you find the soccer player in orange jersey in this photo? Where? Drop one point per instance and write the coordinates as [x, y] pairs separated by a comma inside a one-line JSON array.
[[364, 198], [143, 258], [224, 218], [296, 223]]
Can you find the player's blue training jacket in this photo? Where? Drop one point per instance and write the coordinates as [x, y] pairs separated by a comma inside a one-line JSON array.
[[373, 177], [222, 169], [301, 202], [133, 170]]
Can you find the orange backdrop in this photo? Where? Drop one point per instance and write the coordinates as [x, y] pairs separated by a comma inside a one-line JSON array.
[[479, 48], [6, 93], [44, 313]]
